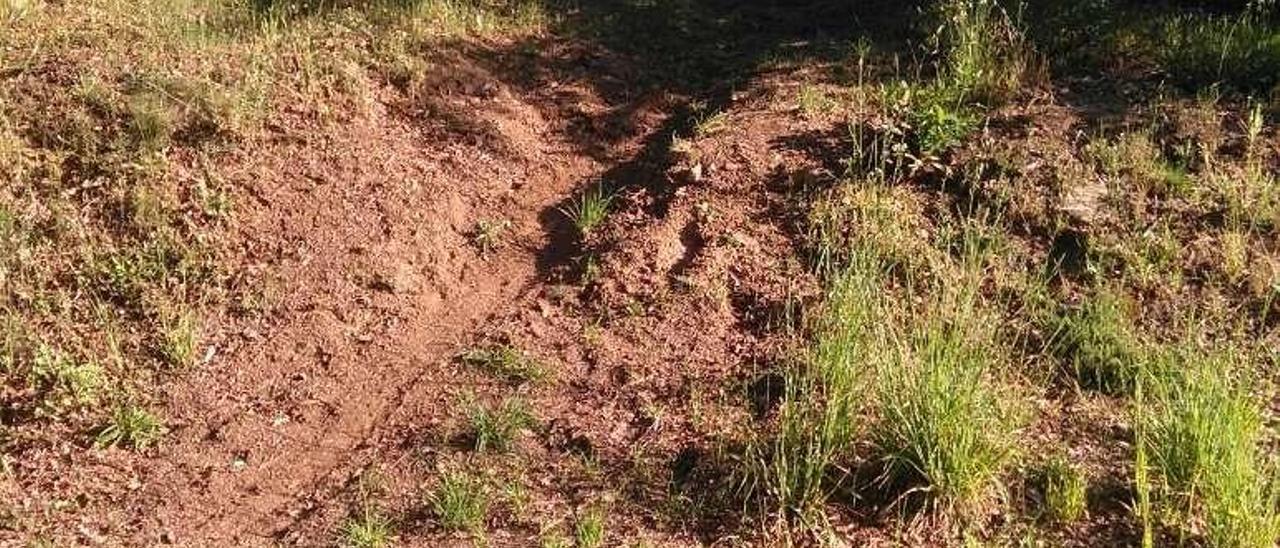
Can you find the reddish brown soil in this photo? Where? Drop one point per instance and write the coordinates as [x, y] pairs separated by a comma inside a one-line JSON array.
[[365, 231], [356, 234], [359, 283]]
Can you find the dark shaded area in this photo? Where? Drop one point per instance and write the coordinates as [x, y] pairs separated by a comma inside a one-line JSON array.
[[1069, 252], [685, 58], [1193, 45], [765, 392]]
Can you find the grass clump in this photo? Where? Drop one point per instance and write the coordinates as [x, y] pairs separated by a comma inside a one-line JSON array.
[[1098, 343], [478, 17], [707, 123], [1064, 491], [369, 529], [151, 121], [942, 421], [495, 428], [1203, 434], [489, 234], [588, 212], [554, 540], [819, 414], [813, 102], [985, 56], [1242, 51], [505, 361], [131, 426], [64, 381], [945, 418], [867, 221], [589, 530], [460, 502], [179, 338], [1135, 156]]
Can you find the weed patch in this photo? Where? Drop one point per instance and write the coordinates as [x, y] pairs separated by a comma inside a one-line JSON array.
[[460, 502], [1203, 432], [130, 426], [495, 428], [588, 211], [1064, 491], [505, 361], [1098, 343]]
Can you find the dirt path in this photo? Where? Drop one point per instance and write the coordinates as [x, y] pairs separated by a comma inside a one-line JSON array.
[[361, 281], [371, 284]]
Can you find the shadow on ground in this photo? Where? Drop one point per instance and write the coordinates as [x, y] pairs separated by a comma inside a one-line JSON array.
[[660, 66]]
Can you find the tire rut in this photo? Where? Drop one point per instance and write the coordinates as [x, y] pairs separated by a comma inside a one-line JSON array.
[[366, 231]]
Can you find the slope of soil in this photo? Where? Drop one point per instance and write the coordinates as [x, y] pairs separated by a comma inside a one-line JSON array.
[[375, 244], [357, 234]]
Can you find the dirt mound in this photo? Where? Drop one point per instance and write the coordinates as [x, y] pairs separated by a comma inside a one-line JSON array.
[[357, 237]]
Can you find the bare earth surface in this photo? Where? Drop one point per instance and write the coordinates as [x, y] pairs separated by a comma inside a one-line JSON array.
[[366, 235], [358, 281]]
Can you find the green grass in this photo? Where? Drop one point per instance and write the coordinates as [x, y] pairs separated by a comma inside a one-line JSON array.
[[589, 529], [368, 529], [1150, 260], [589, 211], [489, 234], [920, 387], [924, 384], [1064, 488], [1196, 45], [1134, 157], [864, 221], [64, 381], [1203, 433], [947, 407], [985, 56], [983, 60], [1248, 194], [1233, 247], [368, 526], [813, 102], [708, 123], [940, 120], [179, 339], [460, 502], [494, 428], [517, 498], [463, 17], [1142, 482], [944, 425], [505, 361], [1098, 343], [904, 360], [1242, 51], [130, 426], [819, 416]]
